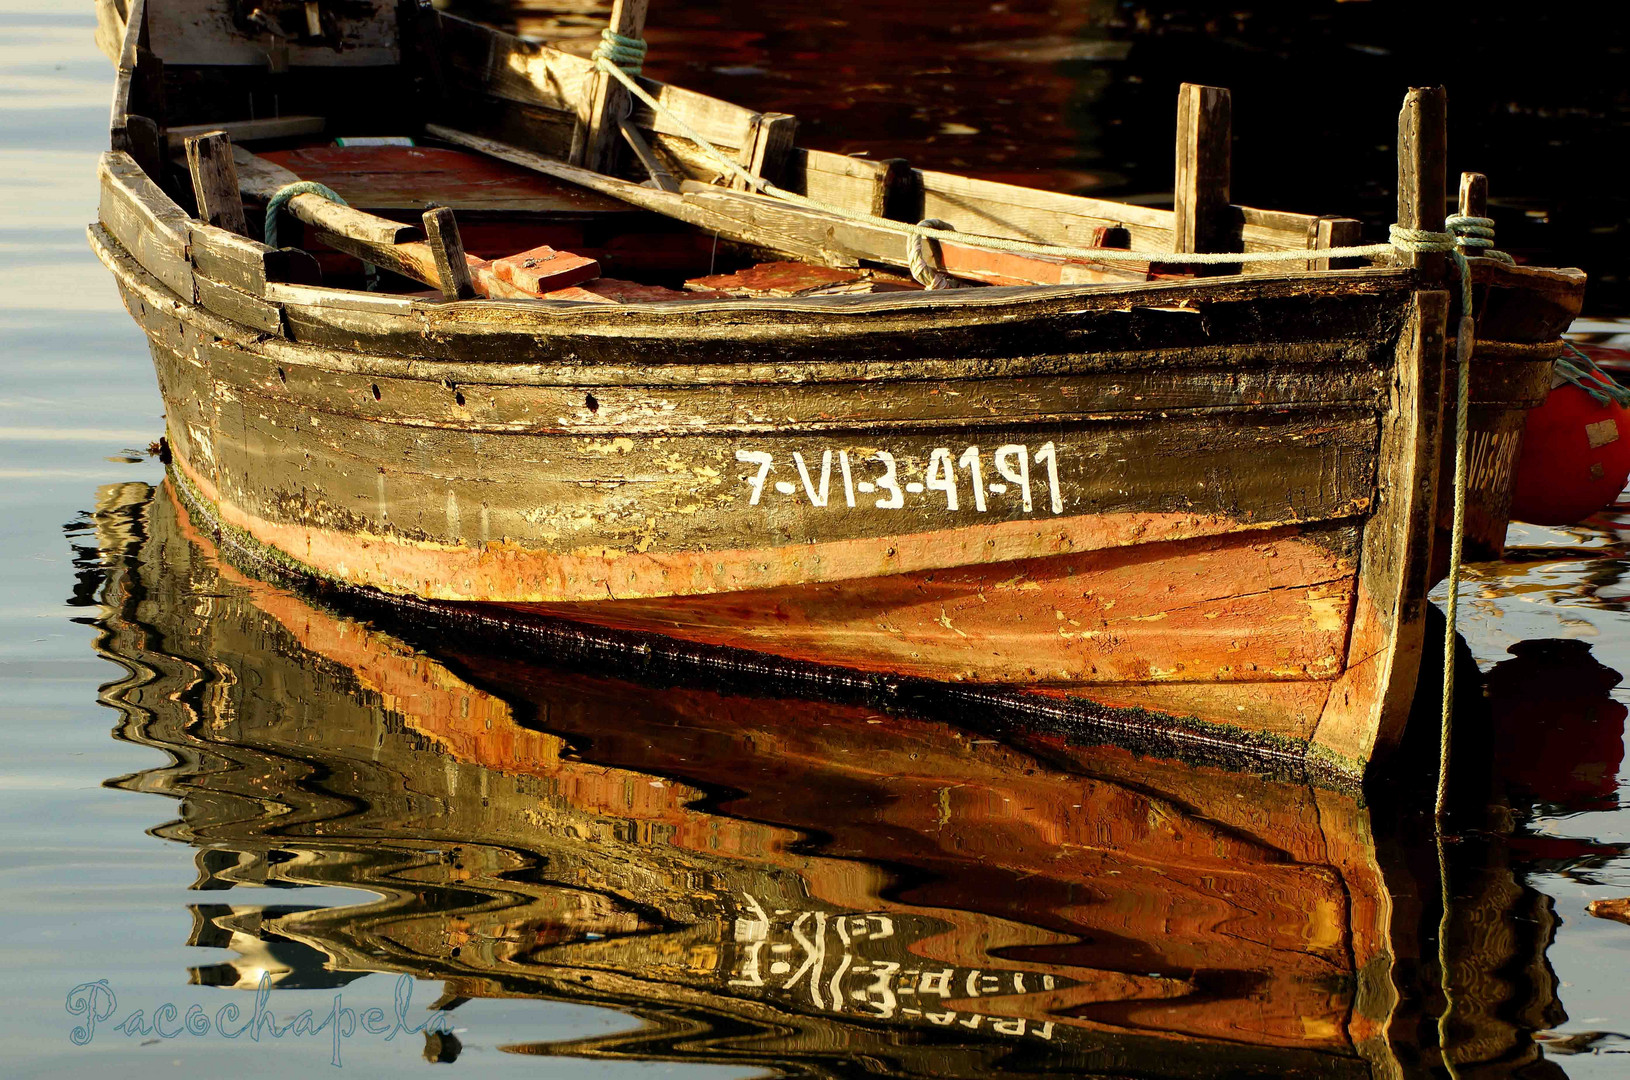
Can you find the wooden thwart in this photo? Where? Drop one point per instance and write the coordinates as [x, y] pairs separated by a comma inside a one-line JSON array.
[[275, 127], [438, 260]]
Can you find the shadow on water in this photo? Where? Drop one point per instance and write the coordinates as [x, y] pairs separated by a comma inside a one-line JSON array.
[[817, 888]]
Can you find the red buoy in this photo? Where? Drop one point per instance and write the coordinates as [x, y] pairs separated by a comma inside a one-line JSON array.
[[1575, 458]]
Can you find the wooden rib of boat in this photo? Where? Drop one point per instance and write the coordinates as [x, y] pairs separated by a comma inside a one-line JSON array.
[[1200, 502], [791, 886]]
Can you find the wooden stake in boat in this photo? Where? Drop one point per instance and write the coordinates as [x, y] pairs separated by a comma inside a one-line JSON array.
[[452, 269], [1422, 160], [1204, 167], [1474, 194], [215, 181], [598, 131]]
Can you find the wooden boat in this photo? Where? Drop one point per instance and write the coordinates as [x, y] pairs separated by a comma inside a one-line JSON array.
[[775, 884], [1125, 493]]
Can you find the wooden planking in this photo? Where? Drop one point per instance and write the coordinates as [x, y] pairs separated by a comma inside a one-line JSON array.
[[239, 306], [1118, 483], [245, 264], [1021, 213], [276, 127], [1203, 173], [911, 335], [215, 181], [885, 188], [137, 143], [771, 145], [360, 33], [1336, 382], [145, 220], [1370, 704], [504, 66], [1336, 233], [1218, 611], [773, 224]]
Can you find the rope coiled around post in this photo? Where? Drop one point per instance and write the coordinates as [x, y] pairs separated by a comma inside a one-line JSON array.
[[627, 54]]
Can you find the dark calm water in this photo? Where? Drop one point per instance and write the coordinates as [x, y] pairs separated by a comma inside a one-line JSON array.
[[212, 782]]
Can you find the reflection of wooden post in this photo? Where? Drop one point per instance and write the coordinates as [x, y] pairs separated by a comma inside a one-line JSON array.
[[606, 99], [1422, 159], [1204, 170], [215, 181]]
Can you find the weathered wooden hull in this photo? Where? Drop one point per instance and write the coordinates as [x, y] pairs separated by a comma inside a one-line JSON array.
[[1202, 462], [1205, 503]]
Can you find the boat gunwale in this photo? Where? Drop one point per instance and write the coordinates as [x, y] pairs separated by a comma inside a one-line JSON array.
[[131, 274]]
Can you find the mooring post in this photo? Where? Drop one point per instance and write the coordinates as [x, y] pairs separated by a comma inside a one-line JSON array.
[[1423, 153], [1474, 194], [596, 141], [1204, 172]]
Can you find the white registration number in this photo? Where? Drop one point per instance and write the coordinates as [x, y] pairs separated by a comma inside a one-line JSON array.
[[1009, 473]]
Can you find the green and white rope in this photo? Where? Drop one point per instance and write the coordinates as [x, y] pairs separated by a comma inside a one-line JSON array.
[[1588, 376], [626, 54], [281, 197]]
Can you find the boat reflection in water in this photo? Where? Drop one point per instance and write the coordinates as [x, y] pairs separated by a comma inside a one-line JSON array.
[[790, 885]]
